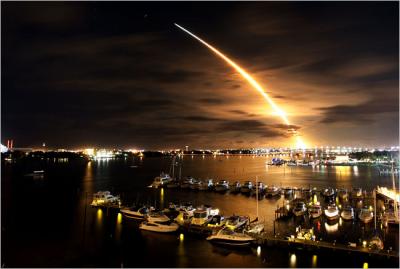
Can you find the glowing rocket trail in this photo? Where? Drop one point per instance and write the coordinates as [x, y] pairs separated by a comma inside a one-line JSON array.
[[252, 82]]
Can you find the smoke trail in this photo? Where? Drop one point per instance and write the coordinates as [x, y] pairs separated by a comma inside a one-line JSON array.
[[252, 82]]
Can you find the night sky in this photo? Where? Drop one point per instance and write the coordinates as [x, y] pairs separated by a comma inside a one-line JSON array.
[[102, 74]]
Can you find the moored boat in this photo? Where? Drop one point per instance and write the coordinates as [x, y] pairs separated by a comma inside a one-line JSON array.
[[103, 198], [347, 213], [161, 180], [135, 212], [328, 193], [235, 222], [230, 238], [246, 187], [315, 211], [299, 209], [271, 191], [331, 212], [342, 194], [365, 215], [235, 187], [166, 227], [222, 186]]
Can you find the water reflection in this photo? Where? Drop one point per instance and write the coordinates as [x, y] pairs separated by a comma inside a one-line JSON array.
[[162, 198], [258, 251], [314, 261], [331, 228], [293, 260]]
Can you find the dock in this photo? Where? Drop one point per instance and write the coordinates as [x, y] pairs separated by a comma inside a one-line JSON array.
[[271, 240]]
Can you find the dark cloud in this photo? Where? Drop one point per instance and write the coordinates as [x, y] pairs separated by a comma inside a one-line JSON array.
[[79, 73], [359, 113]]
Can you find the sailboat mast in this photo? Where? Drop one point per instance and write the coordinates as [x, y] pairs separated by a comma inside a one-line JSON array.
[[257, 194], [173, 167], [395, 196], [375, 208]]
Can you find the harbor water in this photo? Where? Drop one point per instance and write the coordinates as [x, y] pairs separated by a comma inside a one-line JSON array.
[[48, 222]]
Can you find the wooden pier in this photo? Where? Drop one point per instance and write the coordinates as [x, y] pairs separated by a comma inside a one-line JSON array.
[[270, 240]]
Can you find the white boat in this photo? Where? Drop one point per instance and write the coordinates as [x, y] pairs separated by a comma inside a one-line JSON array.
[[236, 222], [260, 187], [299, 209], [159, 227], [235, 187], [195, 184], [216, 221], [230, 238], [159, 217], [365, 215], [356, 193], [103, 198], [205, 185], [315, 211], [389, 217], [161, 181], [328, 193], [187, 182], [271, 191], [246, 187], [222, 186], [135, 213], [288, 191], [331, 212], [347, 213], [200, 217], [342, 194]]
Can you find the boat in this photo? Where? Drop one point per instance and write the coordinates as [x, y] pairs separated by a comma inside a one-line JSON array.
[[235, 222], [315, 211], [135, 212], [185, 215], [165, 227], [187, 182], [103, 198], [356, 193], [306, 193], [271, 191], [222, 186], [157, 216], [328, 193], [260, 187], [365, 215], [195, 184], [342, 194], [161, 180], [331, 212], [389, 218], [200, 217], [288, 191], [299, 209], [216, 221], [173, 184], [230, 238], [246, 187], [235, 187], [347, 213]]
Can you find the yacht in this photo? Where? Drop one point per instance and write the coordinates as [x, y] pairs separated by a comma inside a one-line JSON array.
[[271, 191], [185, 215], [164, 227], [187, 182], [200, 217], [230, 238], [306, 193], [347, 213], [288, 191], [216, 221], [331, 212], [235, 187], [135, 213], [236, 222], [154, 216], [299, 209], [222, 186], [328, 193], [104, 197], [365, 215], [260, 187], [356, 193], [389, 217], [161, 181], [315, 211], [342, 194], [195, 184], [246, 187]]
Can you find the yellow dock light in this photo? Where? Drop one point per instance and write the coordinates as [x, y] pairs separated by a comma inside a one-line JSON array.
[[365, 265], [119, 218], [364, 243], [258, 251], [181, 237]]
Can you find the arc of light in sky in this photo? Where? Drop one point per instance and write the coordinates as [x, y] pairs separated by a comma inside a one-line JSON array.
[[252, 82]]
